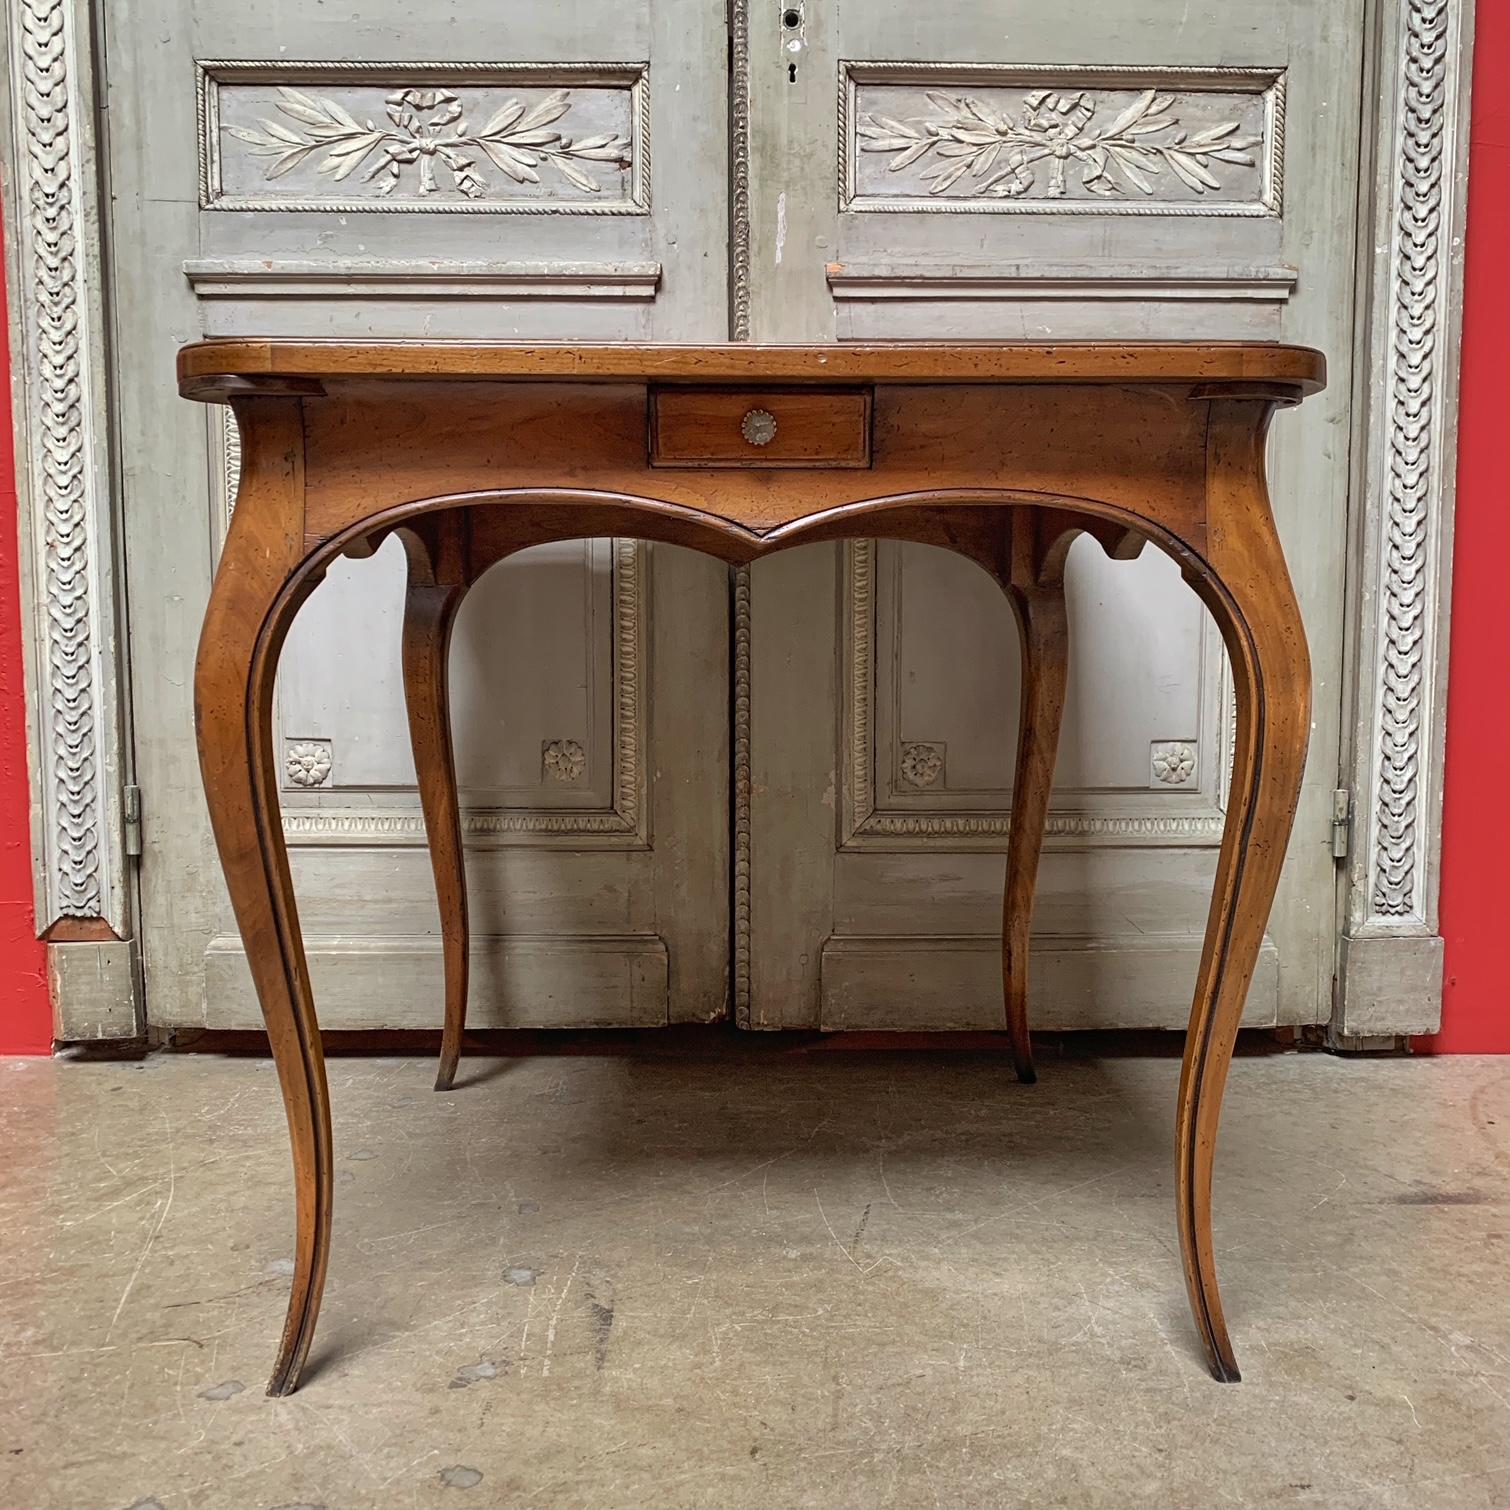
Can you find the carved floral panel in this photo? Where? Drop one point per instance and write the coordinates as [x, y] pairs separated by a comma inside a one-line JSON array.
[[952, 137], [536, 138]]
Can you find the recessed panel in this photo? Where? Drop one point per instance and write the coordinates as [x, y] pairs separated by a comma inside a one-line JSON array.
[[1178, 141], [532, 138]]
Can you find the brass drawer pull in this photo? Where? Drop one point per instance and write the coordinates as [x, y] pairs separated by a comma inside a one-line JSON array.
[[758, 427]]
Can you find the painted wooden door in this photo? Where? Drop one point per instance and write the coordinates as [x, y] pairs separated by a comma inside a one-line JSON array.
[[447, 170], [958, 169], [482, 171]]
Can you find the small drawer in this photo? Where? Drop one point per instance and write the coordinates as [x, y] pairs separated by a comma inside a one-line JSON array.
[[759, 427]]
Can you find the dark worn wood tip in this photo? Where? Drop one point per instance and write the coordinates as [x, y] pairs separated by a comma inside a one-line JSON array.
[[282, 1384], [1224, 1372], [1026, 1074], [445, 1077]]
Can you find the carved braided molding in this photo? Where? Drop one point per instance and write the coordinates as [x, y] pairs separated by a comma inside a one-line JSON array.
[[1411, 368], [1408, 490], [62, 471]]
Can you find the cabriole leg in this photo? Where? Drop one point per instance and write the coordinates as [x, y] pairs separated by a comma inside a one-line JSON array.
[[249, 612], [1036, 590], [1247, 588], [437, 585]]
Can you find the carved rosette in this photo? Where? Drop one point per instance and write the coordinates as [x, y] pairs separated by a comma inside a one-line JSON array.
[[1172, 761], [307, 762], [922, 764], [563, 760]]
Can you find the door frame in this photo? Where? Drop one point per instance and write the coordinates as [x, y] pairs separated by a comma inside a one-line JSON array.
[[1417, 61]]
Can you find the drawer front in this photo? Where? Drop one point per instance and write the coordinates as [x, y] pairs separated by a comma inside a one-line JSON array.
[[760, 427]]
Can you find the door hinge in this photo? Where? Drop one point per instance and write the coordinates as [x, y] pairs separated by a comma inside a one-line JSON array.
[[132, 808], [1342, 823]]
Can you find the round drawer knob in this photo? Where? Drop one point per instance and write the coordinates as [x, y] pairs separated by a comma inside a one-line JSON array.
[[758, 427]]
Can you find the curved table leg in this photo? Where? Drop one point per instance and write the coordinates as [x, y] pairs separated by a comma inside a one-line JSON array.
[[437, 584], [1247, 589], [1036, 590], [249, 612]]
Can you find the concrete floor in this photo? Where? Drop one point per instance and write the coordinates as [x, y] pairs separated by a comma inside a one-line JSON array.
[[771, 1278]]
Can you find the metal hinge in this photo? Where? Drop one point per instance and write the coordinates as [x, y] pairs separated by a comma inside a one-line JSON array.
[[1342, 822], [133, 815]]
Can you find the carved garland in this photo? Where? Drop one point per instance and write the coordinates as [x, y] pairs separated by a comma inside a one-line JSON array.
[[426, 137], [1002, 153], [427, 127], [57, 382], [1407, 578], [1050, 133]]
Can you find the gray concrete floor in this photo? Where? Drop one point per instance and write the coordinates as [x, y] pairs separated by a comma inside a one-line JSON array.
[[767, 1279]]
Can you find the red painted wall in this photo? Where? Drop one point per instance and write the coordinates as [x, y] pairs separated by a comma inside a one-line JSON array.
[[1476, 819], [25, 1014]]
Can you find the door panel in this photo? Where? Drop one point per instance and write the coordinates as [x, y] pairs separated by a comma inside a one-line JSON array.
[[449, 171], [927, 173], [281, 172]]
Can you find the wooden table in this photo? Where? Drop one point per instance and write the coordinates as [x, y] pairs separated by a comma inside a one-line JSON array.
[[1000, 451]]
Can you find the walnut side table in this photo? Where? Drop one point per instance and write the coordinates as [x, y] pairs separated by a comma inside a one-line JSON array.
[[1001, 451]]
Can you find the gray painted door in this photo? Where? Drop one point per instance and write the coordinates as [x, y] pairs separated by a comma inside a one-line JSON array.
[[911, 171], [951, 170], [453, 169]]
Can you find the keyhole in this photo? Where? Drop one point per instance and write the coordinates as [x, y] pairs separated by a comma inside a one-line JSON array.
[[791, 26]]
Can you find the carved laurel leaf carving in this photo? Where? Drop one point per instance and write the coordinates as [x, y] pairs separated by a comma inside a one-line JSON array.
[[426, 130], [994, 153]]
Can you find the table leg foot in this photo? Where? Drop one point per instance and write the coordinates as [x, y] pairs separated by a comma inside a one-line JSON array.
[[435, 591], [254, 599], [1247, 588]]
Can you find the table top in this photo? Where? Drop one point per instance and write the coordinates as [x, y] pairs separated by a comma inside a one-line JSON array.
[[213, 370]]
